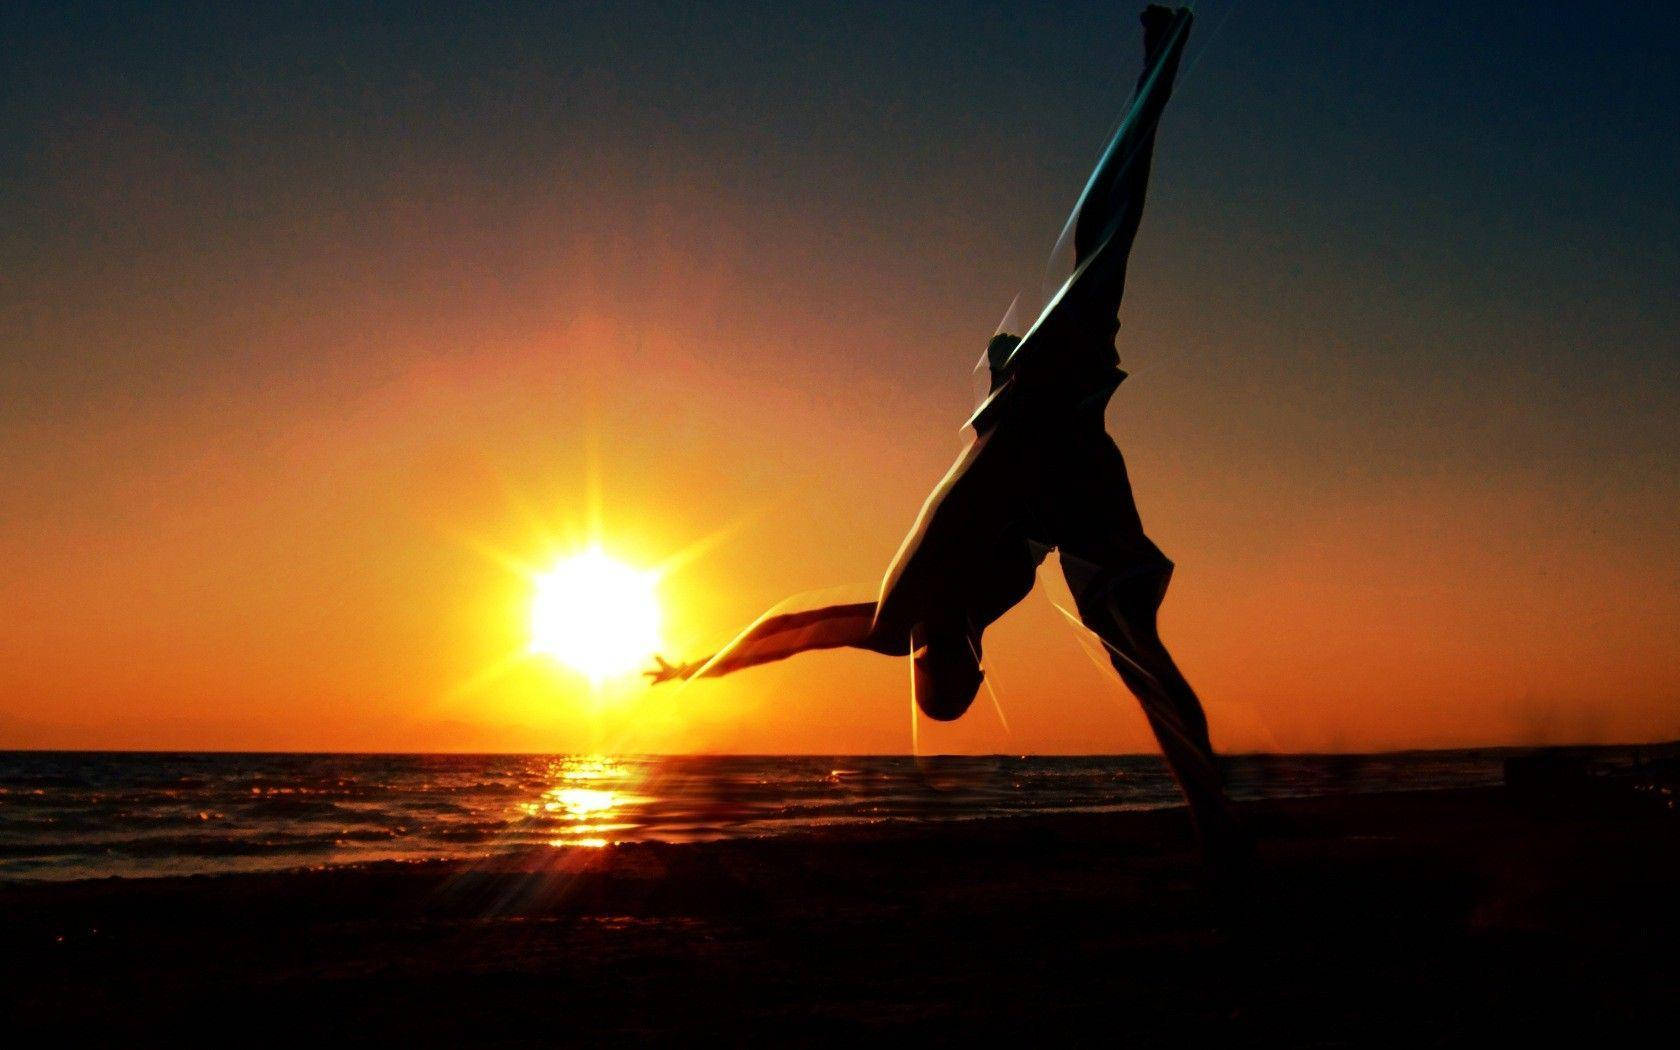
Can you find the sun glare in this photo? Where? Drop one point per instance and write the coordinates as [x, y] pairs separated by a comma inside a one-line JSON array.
[[596, 615]]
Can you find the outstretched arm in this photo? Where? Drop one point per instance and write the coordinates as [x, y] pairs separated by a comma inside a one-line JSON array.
[[777, 636]]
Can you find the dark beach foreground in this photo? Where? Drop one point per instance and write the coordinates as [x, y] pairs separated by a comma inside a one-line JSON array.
[[1444, 917]]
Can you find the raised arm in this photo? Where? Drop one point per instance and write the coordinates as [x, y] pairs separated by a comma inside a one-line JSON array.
[[777, 636]]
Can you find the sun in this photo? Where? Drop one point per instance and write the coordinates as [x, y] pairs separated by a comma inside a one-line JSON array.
[[596, 615]]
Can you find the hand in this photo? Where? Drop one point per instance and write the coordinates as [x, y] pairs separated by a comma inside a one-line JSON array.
[[665, 672]]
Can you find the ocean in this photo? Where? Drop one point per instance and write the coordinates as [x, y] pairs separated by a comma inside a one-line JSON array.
[[73, 815]]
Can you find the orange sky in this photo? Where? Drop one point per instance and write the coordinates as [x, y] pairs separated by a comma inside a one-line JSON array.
[[263, 457], [325, 580]]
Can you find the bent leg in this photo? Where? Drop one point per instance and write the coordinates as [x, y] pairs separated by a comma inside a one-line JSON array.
[[946, 647], [945, 669]]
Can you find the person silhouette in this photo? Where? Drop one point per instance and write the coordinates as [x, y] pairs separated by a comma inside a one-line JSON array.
[[1041, 473]]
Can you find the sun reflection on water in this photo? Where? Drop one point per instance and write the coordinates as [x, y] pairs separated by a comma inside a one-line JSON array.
[[579, 802], [588, 800]]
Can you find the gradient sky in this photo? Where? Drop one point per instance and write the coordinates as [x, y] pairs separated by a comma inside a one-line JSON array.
[[313, 320]]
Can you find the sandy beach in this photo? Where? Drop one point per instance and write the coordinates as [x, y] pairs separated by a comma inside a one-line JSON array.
[[1443, 917]]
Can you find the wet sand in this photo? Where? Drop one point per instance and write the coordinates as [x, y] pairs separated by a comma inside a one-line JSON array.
[[1434, 918]]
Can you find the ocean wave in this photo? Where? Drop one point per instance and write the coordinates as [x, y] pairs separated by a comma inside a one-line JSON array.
[[65, 814]]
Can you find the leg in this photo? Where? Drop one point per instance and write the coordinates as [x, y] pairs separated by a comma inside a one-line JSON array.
[[946, 647], [1111, 208], [1122, 612], [1118, 578]]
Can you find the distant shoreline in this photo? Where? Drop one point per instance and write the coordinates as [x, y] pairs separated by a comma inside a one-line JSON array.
[[1476, 748]]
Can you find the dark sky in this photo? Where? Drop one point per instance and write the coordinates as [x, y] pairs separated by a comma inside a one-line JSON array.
[[1398, 259], [1500, 163]]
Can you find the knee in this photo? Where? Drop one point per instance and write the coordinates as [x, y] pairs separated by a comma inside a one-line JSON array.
[[1130, 596]]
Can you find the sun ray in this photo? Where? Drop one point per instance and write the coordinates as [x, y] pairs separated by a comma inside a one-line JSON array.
[[705, 544], [593, 480], [1080, 631], [513, 564], [486, 676], [986, 679]]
